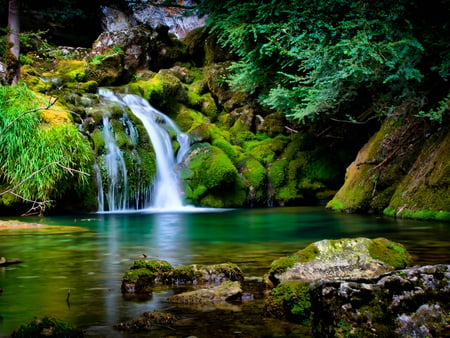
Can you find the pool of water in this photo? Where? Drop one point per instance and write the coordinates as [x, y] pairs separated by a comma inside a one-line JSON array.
[[90, 264]]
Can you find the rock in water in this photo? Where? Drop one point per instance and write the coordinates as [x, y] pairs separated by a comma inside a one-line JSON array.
[[344, 258]]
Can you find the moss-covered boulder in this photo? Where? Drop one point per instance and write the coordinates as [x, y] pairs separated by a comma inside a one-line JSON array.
[[143, 275], [211, 179], [343, 258], [163, 90], [403, 170]]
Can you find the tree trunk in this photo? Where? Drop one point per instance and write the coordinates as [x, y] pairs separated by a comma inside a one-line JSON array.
[[12, 59]]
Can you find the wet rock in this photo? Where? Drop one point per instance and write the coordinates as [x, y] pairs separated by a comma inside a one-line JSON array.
[[226, 291], [143, 275], [147, 321], [412, 302], [344, 258], [142, 48]]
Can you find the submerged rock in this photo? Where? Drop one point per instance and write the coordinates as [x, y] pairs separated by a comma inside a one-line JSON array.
[[146, 322], [226, 291], [344, 258]]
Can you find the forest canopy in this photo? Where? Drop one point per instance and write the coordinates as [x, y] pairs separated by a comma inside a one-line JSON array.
[[314, 58]]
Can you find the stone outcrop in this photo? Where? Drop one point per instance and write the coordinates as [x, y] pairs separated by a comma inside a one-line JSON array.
[[154, 16], [350, 288], [403, 170], [406, 303]]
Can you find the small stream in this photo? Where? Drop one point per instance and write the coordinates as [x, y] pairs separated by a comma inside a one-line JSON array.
[[91, 263]]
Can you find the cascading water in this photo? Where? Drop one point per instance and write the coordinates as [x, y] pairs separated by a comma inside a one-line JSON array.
[[166, 193], [116, 170]]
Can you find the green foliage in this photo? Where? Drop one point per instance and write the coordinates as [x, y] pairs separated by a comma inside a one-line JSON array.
[[311, 57], [38, 159], [438, 112]]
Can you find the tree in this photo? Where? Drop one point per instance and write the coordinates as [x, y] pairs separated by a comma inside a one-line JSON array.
[[315, 58], [13, 52]]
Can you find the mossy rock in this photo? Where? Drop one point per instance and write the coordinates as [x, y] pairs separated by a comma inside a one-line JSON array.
[[143, 274], [71, 70], [277, 172], [274, 124], [267, 150], [164, 91], [343, 258], [188, 119], [289, 301], [47, 327], [210, 166], [211, 179], [392, 253]]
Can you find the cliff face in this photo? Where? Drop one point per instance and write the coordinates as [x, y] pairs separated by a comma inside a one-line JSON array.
[[403, 170]]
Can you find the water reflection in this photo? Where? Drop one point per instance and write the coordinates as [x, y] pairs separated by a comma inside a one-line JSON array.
[[91, 264], [169, 239]]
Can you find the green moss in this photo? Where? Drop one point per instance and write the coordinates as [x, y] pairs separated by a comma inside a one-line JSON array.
[[188, 119], [226, 147], [211, 166], [290, 300], [389, 252], [302, 256], [41, 327], [208, 106], [71, 70], [146, 271], [419, 214], [187, 273], [307, 254], [99, 142], [265, 151], [336, 205], [277, 172], [280, 265], [164, 91], [89, 86], [255, 173], [157, 266]]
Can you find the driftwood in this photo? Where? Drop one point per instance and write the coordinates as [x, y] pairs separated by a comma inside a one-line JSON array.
[[5, 262]]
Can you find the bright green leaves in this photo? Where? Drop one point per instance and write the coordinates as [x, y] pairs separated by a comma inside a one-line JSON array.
[[38, 161]]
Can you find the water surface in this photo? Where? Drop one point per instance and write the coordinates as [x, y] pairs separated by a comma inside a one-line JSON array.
[[90, 264]]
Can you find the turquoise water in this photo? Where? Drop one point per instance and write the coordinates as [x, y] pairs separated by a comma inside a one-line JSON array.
[[91, 263]]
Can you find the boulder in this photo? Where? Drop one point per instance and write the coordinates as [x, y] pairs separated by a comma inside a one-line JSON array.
[[351, 258], [406, 303], [142, 47]]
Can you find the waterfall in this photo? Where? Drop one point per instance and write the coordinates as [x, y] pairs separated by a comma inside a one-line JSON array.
[[116, 170], [166, 192]]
